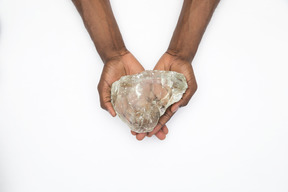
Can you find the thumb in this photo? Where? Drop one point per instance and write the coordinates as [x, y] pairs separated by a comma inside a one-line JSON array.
[[105, 97], [110, 109]]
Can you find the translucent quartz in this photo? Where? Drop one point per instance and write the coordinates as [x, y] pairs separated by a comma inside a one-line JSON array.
[[141, 99]]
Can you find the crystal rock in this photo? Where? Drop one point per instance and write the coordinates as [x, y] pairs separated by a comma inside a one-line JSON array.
[[141, 99]]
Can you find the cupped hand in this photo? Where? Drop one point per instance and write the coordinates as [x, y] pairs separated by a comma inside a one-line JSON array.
[[169, 62], [113, 70]]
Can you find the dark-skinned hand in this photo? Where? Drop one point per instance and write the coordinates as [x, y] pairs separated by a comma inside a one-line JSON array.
[[113, 70], [169, 62]]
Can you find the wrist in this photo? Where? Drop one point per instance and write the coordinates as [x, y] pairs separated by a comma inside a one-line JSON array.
[[115, 54], [184, 55]]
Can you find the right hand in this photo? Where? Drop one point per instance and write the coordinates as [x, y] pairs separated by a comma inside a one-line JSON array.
[[113, 70]]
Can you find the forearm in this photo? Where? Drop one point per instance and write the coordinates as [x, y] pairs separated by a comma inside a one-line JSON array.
[[99, 20], [193, 20]]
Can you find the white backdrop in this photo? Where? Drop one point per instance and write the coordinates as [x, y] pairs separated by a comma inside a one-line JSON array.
[[55, 137]]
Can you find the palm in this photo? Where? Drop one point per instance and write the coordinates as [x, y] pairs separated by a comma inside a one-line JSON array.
[[171, 63]]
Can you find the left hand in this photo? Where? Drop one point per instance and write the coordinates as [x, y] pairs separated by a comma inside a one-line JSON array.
[[170, 62]]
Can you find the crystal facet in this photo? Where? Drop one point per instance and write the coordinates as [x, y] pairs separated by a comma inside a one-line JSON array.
[[141, 99]]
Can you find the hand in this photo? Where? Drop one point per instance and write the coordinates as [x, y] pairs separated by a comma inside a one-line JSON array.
[[169, 62], [113, 70]]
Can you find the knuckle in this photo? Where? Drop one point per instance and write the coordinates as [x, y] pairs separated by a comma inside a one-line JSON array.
[[165, 118], [168, 114]]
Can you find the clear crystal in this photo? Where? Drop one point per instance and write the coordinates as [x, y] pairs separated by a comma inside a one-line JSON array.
[[141, 99]]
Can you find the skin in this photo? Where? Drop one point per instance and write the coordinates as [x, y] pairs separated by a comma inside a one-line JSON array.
[[99, 21], [193, 20]]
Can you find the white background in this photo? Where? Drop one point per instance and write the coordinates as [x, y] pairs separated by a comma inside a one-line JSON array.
[[55, 137]]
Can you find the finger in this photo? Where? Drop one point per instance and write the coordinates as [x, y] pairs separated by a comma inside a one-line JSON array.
[[133, 133], [140, 136], [162, 121], [185, 98], [165, 129], [150, 135], [155, 130], [161, 135], [175, 106]]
